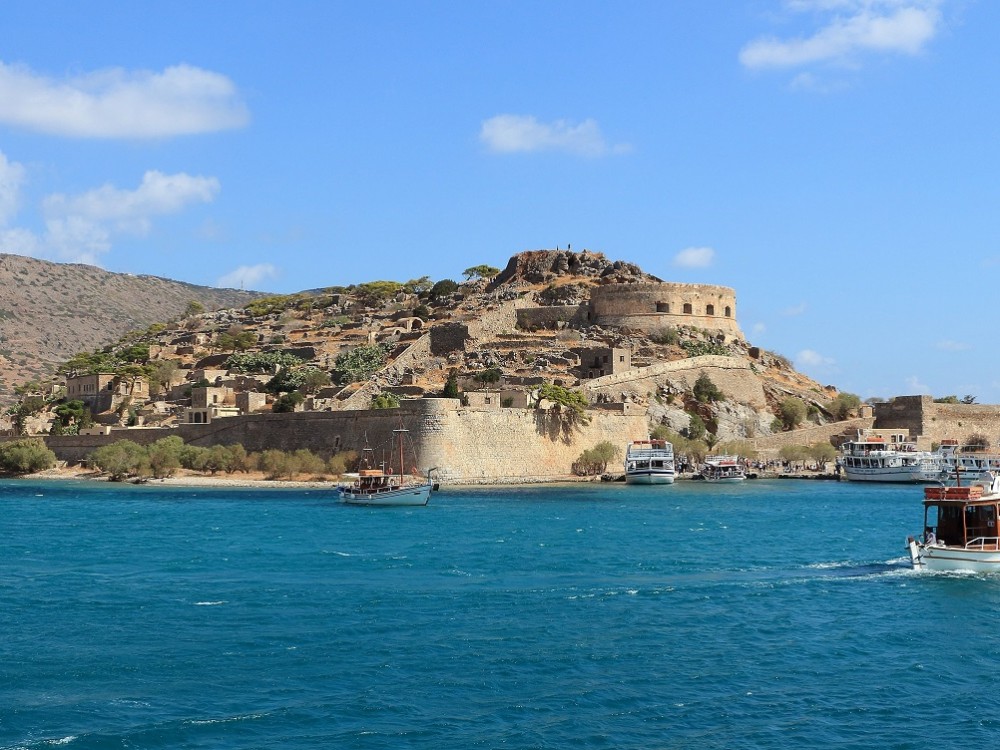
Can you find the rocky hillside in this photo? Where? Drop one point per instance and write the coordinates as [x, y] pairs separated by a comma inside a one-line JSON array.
[[50, 311], [403, 340]]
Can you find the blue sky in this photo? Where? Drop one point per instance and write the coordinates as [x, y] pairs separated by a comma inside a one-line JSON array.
[[835, 161]]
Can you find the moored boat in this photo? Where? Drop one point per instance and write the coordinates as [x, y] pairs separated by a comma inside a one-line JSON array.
[[649, 462], [960, 528], [870, 458], [723, 469], [381, 485], [970, 463]]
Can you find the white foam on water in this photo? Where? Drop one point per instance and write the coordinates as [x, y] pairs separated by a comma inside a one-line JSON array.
[[209, 604]]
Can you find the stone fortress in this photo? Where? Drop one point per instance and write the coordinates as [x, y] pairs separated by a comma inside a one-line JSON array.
[[573, 319], [653, 306]]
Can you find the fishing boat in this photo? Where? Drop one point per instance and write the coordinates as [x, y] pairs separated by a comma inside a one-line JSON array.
[[870, 458], [649, 462], [381, 484], [960, 528], [723, 469]]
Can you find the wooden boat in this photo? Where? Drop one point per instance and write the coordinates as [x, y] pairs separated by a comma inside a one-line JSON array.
[[727, 469], [384, 485], [960, 528], [649, 462]]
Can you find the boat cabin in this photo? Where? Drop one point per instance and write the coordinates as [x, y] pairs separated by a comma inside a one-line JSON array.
[[961, 517]]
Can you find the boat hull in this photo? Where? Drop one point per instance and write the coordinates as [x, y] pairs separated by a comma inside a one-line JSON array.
[[649, 477], [413, 496], [893, 476], [725, 480], [942, 558]]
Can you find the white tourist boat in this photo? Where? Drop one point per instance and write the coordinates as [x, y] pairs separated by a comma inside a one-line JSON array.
[[870, 458], [970, 464], [960, 528], [649, 462], [382, 485], [723, 469]]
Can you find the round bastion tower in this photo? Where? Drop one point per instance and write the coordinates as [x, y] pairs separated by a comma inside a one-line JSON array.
[[654, 306]]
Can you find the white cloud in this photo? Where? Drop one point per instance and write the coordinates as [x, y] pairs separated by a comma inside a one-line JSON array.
[[758, 329], [131, 210], [695, 257], [519, 133], [81, 228], [915, 386], [810, 358], [952, 346], [115, 103], [11, 178], [247, 277], [850, 29], [795, 310]]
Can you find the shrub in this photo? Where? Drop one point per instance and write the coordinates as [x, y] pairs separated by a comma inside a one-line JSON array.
[[575, 402], [385, 401], [26, 456], [360, 363], [342, 462]]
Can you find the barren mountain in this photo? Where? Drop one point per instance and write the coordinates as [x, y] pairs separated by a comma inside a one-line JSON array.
[[50, 311]]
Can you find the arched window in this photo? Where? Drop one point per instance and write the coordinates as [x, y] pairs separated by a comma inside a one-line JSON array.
[[709, 309], [662, 307], [729, 311], [687, 308]]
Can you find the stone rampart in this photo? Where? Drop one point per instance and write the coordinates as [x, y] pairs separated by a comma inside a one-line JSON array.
[[654, 306], [936, 422], [732, 375], [530, 318], [768, 446], [464, 445]]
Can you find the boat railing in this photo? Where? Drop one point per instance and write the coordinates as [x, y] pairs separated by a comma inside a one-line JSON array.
[[983, 542]]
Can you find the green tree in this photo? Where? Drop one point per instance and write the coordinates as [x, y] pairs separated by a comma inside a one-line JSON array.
[[314, 379], [480, 272], [696, 428], [791, 411], [489, 376], [843, 405], [286, 402], [451, 386], [121, 459], [595, 460], [165, 456], [574, 402], [26, 456], [442, 288], [705, 391], [235, 338], [822, 453]]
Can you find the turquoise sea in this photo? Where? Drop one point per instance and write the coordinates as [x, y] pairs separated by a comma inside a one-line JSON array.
[[773, 614]]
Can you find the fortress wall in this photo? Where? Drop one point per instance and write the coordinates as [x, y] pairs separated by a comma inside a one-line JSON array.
[[937, 422], [732, 375], [516, 445], [546, 317], [465, 444], [770, 445], [654, 306]]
